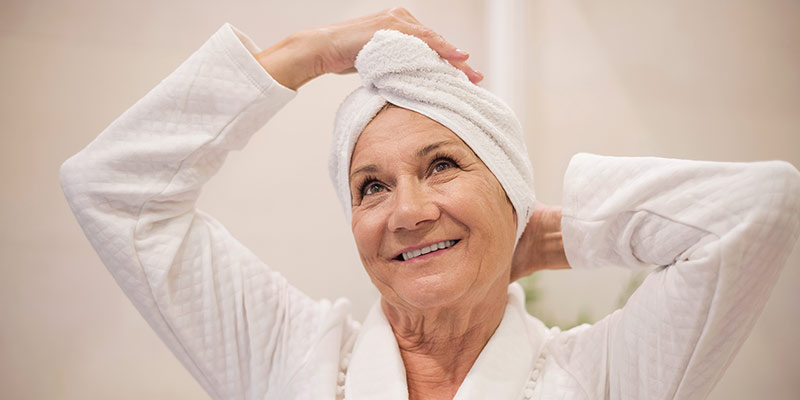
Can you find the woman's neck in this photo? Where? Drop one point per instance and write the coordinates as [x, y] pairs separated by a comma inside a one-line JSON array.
[[440, 346]]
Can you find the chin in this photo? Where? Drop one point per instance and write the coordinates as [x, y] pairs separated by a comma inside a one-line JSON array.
[[430, 292]]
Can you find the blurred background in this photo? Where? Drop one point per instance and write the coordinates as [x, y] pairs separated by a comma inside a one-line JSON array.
[[715, 80]]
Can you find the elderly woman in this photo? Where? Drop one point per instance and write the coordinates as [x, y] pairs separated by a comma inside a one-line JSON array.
[[435, 180]]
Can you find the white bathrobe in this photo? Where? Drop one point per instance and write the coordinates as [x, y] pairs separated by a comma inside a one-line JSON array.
[[715, 235]]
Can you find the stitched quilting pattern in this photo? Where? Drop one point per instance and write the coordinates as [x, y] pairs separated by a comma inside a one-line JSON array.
[[715, 235]]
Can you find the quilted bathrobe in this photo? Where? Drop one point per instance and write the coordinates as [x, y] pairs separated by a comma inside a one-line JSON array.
[[715, 236]]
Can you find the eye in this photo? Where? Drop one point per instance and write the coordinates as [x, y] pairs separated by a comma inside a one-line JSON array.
[[442, 164], [372, 188]]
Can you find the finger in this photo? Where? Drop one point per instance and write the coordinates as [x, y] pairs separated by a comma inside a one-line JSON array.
[[473, 75], [447, 50], [437, 42], [457, 54]]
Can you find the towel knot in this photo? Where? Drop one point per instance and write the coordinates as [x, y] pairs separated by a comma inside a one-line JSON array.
[[401, 69], [396, 53]]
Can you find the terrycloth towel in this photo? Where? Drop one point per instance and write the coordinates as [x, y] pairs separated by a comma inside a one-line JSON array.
[[402, 70]]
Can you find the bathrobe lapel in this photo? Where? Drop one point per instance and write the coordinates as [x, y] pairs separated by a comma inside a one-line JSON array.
[[376, 369], [505, 364]]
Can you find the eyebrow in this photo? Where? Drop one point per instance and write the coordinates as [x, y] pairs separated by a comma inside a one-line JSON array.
[[422, 152], [371, 168], [433, 146]]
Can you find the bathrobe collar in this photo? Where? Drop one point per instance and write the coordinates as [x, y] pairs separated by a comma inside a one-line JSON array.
[[376, 369]]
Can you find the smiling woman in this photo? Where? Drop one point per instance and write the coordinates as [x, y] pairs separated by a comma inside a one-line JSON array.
[[428, 187], [439, 192]]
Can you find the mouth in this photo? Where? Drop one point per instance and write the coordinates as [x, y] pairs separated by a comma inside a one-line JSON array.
[[432, 248]]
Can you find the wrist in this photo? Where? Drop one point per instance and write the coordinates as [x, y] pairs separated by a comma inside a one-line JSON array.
[[293, 61], [550, 244]]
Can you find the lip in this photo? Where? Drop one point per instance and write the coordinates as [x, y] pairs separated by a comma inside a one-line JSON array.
[[420, 246]]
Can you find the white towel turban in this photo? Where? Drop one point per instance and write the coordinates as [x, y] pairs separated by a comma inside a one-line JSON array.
[[402, 70]]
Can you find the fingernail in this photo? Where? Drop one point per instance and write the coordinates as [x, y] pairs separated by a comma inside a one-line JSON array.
[[462, 53]]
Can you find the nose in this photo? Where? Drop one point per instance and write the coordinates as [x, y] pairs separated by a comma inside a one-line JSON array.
[[412, 206]]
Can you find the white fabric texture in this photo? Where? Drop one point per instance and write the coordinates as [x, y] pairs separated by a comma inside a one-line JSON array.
[[402, 70], [715, 234]]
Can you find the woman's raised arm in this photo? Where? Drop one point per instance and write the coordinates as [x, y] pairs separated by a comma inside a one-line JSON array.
[[133, 190], [717, 235]]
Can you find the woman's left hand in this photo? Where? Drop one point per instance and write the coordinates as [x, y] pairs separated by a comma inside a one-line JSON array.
[[540, 246]]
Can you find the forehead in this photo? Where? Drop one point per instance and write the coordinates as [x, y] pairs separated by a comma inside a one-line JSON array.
[[398, 131]]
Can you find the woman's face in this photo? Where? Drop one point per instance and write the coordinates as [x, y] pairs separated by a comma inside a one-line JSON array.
[[414, 186]]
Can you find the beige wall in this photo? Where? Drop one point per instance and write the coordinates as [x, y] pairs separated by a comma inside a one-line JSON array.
[[712, 81]]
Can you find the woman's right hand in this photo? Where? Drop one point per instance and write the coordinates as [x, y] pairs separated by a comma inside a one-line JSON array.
[[306, 55]]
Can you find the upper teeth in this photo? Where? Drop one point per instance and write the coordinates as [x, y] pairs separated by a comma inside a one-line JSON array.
[[427, 249]]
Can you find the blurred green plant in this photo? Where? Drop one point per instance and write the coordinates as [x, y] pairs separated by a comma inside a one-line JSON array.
[[530, 285]]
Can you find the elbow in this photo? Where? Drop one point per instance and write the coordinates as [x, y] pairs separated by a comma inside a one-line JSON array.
[[764, 215], [789, 187], [779, 182], [777, 185], [67, 173], [73, 179]]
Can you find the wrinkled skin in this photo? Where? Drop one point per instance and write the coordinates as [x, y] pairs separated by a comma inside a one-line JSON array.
[[414, 183], [414, 201]]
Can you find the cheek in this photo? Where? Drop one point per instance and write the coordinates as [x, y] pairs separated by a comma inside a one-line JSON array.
[[367, 232], [481, 199], [482, 206]]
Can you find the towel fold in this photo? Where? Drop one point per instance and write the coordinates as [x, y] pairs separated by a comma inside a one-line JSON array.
[[402, 70]]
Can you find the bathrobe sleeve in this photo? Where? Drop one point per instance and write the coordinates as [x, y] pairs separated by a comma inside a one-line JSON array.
[[716, 236], [236, 325]]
